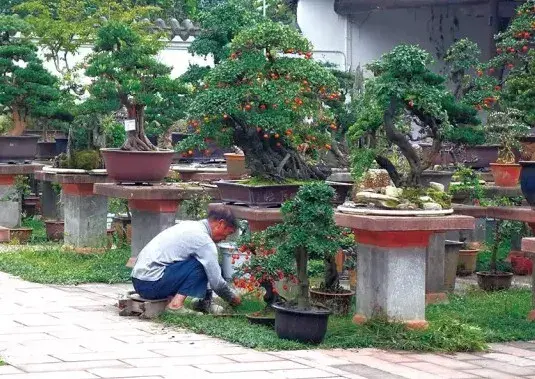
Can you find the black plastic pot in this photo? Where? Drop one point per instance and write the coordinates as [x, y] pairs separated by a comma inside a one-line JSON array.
[[527, 181], [19, 149], [494, 281], [298, 325], [61, 145]]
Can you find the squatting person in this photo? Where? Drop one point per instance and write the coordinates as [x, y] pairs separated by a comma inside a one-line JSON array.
[[182, 260]]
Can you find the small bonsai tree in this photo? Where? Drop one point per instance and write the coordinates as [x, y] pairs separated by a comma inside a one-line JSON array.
[[127, 75], [504, 128], [515, 60], [283, 250], [267, 99], [27, 89], [405, 92]]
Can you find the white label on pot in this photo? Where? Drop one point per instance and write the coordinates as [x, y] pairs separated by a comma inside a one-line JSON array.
[[129, 125]]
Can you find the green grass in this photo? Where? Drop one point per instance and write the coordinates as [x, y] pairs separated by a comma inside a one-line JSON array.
[[52, 265], [39, 229], [466, 323]]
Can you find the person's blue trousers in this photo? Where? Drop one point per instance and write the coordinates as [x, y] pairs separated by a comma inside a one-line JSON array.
[[186, 278]]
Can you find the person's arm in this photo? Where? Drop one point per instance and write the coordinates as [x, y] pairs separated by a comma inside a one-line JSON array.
[[207, 255]]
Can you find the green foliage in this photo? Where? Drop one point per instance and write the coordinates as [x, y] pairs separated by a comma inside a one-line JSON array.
[[405, 90], [26, 90], [468, 182], [197, 207], [516, 57], [83, 160], [464, 135], [504, 128], [38, 229], [52, 265], [258, 98]]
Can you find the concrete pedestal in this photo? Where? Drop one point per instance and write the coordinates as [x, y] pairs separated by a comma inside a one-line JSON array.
[[257, 218], [50, 202], [153, 207], [435, 263], [85, 217], [10, 200], [391, 263]]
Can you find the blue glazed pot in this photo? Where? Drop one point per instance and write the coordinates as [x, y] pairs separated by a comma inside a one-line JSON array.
[[527, 181]]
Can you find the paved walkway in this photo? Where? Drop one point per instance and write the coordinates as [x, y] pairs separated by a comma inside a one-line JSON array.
[[65, 332]]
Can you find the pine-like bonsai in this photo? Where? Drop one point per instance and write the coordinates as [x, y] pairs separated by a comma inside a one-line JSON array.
[[27, 89], [405, 92], [268, 99], [127, 75]]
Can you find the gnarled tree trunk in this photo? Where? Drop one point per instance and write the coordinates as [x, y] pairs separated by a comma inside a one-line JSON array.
[[19, 121], [136, 139], [303, 296], [267, 160]]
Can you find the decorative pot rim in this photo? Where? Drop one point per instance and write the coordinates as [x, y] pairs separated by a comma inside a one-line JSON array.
[[499, 274], [54, 222], [437, 172], [453, 243], [318, 312], [526, 163], [116, 150], [24, 136], [469, 251], [495, 164], [349, 293], [21, 229], [236, 183]]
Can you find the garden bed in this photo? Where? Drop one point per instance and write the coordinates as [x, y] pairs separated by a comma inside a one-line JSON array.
[[467, 323]]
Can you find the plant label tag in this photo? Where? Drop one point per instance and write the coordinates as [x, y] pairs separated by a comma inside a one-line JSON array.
[[129, 125]]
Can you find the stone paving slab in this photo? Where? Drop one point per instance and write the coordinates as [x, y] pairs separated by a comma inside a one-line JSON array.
[[74, 332]]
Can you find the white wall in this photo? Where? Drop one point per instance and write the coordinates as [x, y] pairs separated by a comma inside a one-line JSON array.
[[374, 33]]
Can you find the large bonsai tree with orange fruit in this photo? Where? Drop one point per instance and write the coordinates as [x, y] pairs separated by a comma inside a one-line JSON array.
[[268, 99]]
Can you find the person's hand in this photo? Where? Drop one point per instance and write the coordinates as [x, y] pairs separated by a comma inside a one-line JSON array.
[[236, 301]]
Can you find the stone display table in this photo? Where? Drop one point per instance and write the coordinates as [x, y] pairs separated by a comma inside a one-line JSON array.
[[528, 248], [153, 207], [391, 263], [200, 173], [85, 212], [258, 218], [10, 201]]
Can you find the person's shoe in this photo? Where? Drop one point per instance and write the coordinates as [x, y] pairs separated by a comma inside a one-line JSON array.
[[204, 306], [182, 311]]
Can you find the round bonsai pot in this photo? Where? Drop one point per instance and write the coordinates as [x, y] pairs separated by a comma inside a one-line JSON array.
[[527, 152], [308, 326], [235, 165], [338, 303], [494, 281], [61, 145], [137, 166], [466, 264], [442, 177], [527, 181], [505, 174], [18, 149], [520, 264], [30, 205], [54, 230], [22, 235], [480, 156], [46, 150], [451, 260]]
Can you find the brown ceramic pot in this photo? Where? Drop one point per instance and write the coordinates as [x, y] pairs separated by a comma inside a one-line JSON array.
[[506, 174], [137, 166], [235, 165], [494, 281], [18, 149], [22, 235], [467, 262], [338, 303], [54, 230]]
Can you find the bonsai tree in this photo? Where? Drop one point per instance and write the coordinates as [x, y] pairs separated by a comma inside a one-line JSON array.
[[515, 60], [27, 89], [128, 76], [283, 250], [267, 99], [405, 92], [504, 128]]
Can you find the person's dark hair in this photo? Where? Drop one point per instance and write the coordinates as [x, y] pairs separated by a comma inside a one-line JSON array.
[[223, 213]]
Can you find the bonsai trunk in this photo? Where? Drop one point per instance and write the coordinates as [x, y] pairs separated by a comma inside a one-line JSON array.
[[136, 139], [19, 121], [497, 238], [331, 274], [270, 296], [267, 160], [303, 297]]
